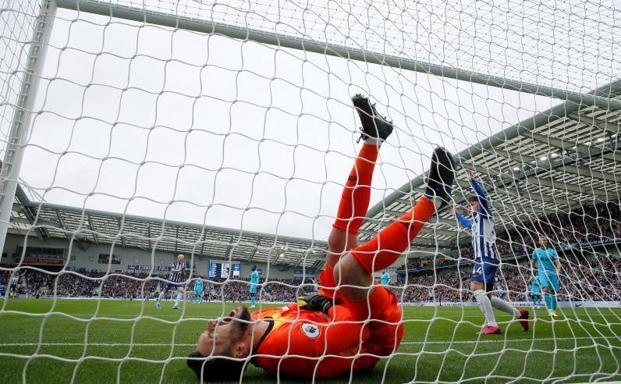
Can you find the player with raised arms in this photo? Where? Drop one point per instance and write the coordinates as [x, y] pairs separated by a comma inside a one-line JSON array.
[[176, 280], [545, 265], [351, 322], [486, 259]]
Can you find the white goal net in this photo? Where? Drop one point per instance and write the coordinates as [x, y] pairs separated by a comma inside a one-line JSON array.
[[134, 131]]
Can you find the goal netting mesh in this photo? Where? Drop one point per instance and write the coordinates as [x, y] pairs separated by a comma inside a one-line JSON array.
[[136, 130]]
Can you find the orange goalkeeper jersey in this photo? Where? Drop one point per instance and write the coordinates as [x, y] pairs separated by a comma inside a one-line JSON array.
[[306, 344]]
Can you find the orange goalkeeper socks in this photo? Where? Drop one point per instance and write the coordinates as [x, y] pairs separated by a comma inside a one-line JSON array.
[[357, 192], [385, 248]]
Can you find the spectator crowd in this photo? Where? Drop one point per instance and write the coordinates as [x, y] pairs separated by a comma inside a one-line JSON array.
[[597, 278], [585, 275]]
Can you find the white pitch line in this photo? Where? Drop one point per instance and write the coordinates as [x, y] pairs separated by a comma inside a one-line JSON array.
[[107, 316], [496, 341], [52, 344], [96, 344]]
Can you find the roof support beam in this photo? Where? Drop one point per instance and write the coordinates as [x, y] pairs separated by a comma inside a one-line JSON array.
[[28, 210], [435, 231], [527, 195], [62, 225], [317, 264], [149, 235], [254, 251], [584, 150], [603, 125], [118, 220], [177, 239], [229, 247], [93, 229], [547, 182], [299, 259], [515, 156], [587, 172]]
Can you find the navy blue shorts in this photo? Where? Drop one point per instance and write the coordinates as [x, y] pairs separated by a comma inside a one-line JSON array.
[[172, 285], [484, 273]]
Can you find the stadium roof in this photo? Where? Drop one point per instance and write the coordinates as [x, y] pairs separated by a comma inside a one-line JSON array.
[[558, 159], [98, 227]]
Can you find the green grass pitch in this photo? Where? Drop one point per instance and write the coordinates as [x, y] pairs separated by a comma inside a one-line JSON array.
[[86, 341]]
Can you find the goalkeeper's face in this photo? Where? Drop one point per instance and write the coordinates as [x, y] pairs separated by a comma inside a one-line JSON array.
[[227, 336]]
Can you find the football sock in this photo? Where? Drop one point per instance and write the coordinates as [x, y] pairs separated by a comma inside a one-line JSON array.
[[357, 191], [486, 307], [548, 299], [502, 305]]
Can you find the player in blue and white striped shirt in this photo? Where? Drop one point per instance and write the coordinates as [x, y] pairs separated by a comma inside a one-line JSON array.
[[176, 280], [486, 259]]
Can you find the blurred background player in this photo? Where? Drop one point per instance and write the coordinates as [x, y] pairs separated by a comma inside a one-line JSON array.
[[486, 259], [198, 291], [176, 281], [13, 282], [252, 288], [535, 292], [350, 323], [545, 265], [385, 278]]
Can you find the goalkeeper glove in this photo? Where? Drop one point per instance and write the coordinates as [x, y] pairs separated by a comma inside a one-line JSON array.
[[315, 302]]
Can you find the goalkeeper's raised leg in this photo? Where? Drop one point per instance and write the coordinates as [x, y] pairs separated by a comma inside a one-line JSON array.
[[354, 322]]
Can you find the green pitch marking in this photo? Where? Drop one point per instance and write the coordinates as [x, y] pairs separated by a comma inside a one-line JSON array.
[[88, 341]]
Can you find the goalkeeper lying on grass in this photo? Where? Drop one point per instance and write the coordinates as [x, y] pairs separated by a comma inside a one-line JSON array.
[[350, 323]]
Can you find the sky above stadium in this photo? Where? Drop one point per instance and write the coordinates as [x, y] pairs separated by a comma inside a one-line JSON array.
[[206, 129]]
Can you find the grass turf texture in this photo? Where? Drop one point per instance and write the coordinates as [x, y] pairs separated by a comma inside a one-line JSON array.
[[440, 344]]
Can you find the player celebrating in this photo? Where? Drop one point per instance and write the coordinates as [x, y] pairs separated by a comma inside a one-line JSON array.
[[254, 282], [546, 264], [198, 291], [385, 278], [175, 280], [351, 323], [486, 259]]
